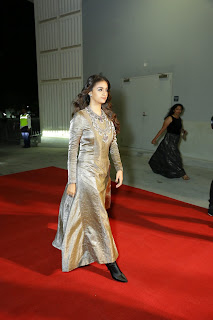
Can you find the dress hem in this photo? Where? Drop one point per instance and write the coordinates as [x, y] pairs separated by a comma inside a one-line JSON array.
[[88, 263]]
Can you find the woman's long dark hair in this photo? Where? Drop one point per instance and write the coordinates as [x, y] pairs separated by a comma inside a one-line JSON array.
[[172, 109], [83, 99]]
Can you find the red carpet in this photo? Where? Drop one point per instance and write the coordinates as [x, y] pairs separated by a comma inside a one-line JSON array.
[[165, 246]]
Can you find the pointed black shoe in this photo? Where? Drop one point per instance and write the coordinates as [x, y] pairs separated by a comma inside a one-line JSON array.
[[116, 272], [210, 210]]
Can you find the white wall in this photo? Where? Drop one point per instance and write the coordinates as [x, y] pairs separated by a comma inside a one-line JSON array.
[[59, 60], [170, 37], [199, 142]]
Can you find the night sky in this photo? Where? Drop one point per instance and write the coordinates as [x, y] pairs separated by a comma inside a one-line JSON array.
[[18, 54]]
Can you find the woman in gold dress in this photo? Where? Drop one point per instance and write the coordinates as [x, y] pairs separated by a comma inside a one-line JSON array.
[[84, 234]]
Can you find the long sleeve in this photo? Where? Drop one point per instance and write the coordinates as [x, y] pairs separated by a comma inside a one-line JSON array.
[[76, 130], [115, 155]]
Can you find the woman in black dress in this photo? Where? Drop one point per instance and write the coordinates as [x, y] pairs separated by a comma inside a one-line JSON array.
[[167, 159]]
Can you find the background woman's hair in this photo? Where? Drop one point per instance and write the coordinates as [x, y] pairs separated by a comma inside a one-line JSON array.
[[172, 109], [83, 99]]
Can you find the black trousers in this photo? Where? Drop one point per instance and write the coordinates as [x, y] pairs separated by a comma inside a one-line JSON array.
[[211, 195]]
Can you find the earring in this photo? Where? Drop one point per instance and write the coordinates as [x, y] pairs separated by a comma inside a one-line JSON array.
[[90, 94]]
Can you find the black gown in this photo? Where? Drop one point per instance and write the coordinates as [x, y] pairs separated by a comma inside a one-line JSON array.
[[167, 159]]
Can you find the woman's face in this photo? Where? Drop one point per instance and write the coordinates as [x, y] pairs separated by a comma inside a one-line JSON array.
[[99, 92], [178, 110]]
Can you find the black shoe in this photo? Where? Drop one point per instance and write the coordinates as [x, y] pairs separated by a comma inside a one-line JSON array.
[[116, 272], [210, 210]]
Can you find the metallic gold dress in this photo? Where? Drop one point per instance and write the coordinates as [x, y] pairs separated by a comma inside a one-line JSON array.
[[84, 234]]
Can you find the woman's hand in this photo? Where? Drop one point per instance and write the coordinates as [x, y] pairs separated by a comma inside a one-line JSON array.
[[183, 134], [71, 189], [154, 141], [119, 178], [166, 123]]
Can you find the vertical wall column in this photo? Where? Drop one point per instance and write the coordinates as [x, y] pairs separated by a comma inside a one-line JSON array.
[[60, 62]]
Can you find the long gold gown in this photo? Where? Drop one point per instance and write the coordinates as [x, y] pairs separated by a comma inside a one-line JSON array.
[[84, 234]]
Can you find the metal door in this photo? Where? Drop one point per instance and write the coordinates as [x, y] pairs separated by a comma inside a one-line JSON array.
[[146, 101]]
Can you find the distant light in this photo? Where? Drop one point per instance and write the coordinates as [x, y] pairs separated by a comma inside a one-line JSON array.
[[56, 133], [4, 114], [27, 106]]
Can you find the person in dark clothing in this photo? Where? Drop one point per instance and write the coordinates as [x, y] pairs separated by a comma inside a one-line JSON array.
[[210, 210], [167, 159]]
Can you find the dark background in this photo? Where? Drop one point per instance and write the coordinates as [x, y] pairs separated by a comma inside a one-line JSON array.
[[18, 56]]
